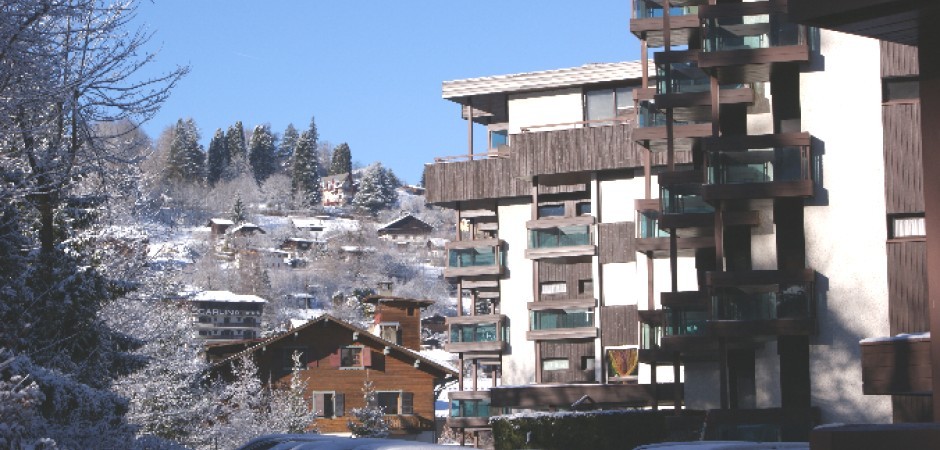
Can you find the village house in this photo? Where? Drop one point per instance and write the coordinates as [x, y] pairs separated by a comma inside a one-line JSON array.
[[223, 316], [405, 231], [219, 226], [338, 358], [337, 190]]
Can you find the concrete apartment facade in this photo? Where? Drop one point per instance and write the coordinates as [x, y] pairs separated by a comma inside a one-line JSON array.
[[744, 207]]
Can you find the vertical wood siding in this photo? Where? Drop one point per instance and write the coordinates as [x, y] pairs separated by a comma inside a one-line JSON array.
[[569, 271], [898, 60], [907, 287], [616, 242], [904, 176], [619, 325], [573, 351]]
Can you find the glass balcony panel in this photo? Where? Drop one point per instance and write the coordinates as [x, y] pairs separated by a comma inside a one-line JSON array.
[[560, 236], [486, 332], [644, 9], [770, 302], [649, 227], [758, 166], [681, 77], [472, 257], [557, 318], [650, 117], [470, 408], [650, 336], [751, 32], [676, 201], [685, 323]]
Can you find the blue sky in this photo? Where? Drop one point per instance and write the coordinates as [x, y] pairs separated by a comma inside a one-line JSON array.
[[369, 71]]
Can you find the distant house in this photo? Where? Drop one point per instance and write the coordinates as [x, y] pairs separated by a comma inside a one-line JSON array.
[[219, 226], [406, 230], [337, 190], [310, 225], [222, 316], [339, 357], [245, 229]]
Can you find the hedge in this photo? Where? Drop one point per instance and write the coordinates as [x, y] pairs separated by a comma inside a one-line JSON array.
[[594, 430]]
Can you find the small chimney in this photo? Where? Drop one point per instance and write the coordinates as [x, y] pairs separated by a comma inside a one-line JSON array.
[[384, 288]]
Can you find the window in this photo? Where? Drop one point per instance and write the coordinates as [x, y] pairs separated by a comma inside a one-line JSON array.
[[583, 209], [328, 404], [587, 363], [586, 287], [900, 89], [553, 287], [390, 332], [550, 364], [554, 210], [204, 319], [499, 138], [608, 103], [350, 357], [907, 226], [395, 402]]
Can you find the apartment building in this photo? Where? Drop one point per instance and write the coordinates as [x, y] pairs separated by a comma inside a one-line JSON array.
[[745, 207]]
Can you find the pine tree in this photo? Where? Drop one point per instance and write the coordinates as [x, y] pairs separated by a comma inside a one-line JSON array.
[[375, 190], [185, 160], [285, 150], [239, 213], [371, 418], [262, 153], [305, 176], [235, 138], [342, 160], [218, 158]]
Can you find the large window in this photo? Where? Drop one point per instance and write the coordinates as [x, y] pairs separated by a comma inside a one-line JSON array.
[[608, 103], [560, 236], [395, 402]]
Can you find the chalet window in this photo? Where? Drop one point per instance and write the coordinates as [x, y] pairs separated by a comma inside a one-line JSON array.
[[607, 103], [390, 332], [395, 402], [553, 210], [549, 364], [328, 404], [204, 319], [553, 287], [906, 226], [352, 357]]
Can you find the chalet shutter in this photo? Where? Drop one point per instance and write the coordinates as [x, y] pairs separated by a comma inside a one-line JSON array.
[[334, 359], [366, 357], [407, 403], [339, 401], [319, 400]]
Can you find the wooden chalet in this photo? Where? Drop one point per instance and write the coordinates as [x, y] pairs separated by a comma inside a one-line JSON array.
[[219, 226], [339, 357], [406, 229]]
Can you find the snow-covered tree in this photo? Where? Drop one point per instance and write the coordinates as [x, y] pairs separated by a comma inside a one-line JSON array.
[[217, 159], [375, 190], [237, 146], [262, 155], [305, 181], [239, 211], [185, 159], [285, 149], [291, 411], [370, 419], [342, 160]]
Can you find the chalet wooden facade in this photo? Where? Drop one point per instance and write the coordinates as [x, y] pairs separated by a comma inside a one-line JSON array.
[[339, 358], [406, 230]]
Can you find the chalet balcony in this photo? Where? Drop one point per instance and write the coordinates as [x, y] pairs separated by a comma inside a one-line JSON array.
[[558, 320], [556, 238], [471, 409], [476, 334], [743, 40], [741, 168], [474, 258], [762, 303], [647, 22]]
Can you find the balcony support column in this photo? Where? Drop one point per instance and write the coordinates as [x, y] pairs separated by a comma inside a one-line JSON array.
[[460, 373], [470, 128], [653, 381], [476, 365], [676, 387]]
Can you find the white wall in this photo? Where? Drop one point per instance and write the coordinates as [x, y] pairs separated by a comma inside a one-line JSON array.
[[516, 292], [544, 108], [845, 223]]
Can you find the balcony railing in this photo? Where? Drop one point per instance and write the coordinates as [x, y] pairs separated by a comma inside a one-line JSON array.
[[758, 165], [681, 77], [680, 199], [649, 227], [685, 322], [651, 9], [554, 319], [470, 408], [477, 332], [650, 336], [765, 302], [751, 32], [473, 257], [555, 237]]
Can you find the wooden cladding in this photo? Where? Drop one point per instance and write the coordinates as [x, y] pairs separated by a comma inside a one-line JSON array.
[[898, 60], [576, 275], [896, 367], [575, 150], [616, 242], [619, 325], [580, 357], [904, 175], [472, 180], [908, 306]]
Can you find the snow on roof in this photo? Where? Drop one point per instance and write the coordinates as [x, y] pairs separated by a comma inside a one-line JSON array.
[[901, 337], [221, 222], [440, 356], [548, 79], [400, 219], [227, 297], [307, 222]]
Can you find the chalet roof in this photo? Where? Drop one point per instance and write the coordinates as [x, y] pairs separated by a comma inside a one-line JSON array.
[[395, 224], [306, 222], [547, 79], [376, 299], [363, 334], [340, 177], [219, 222], [226, 297], [247, 226]]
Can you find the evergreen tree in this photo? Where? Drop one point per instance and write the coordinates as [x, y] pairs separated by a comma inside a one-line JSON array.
[[218, 158], [239, 213], [305, 176], [285, 150], [235, 138], [375, 190], [262, 153], [342, 160], [185, 160], [370, 419]]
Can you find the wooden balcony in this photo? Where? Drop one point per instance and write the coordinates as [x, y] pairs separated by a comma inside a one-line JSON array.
[[891, 20], [726, 96], [459, 251], [754, 167], [897, 366], [484, 337], [476, 179], [481, 417], [682, 28], [654, 138], [762, 303], [546, 396], [575, 150], [557, 334], [659, 247]]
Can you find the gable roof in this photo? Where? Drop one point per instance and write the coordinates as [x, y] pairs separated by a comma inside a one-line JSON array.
[[407, 218], [363, 334], [217, 221], [341, 178]]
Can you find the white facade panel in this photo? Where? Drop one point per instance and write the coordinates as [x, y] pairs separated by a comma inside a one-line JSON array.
[[545, 108], [515, 293]]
